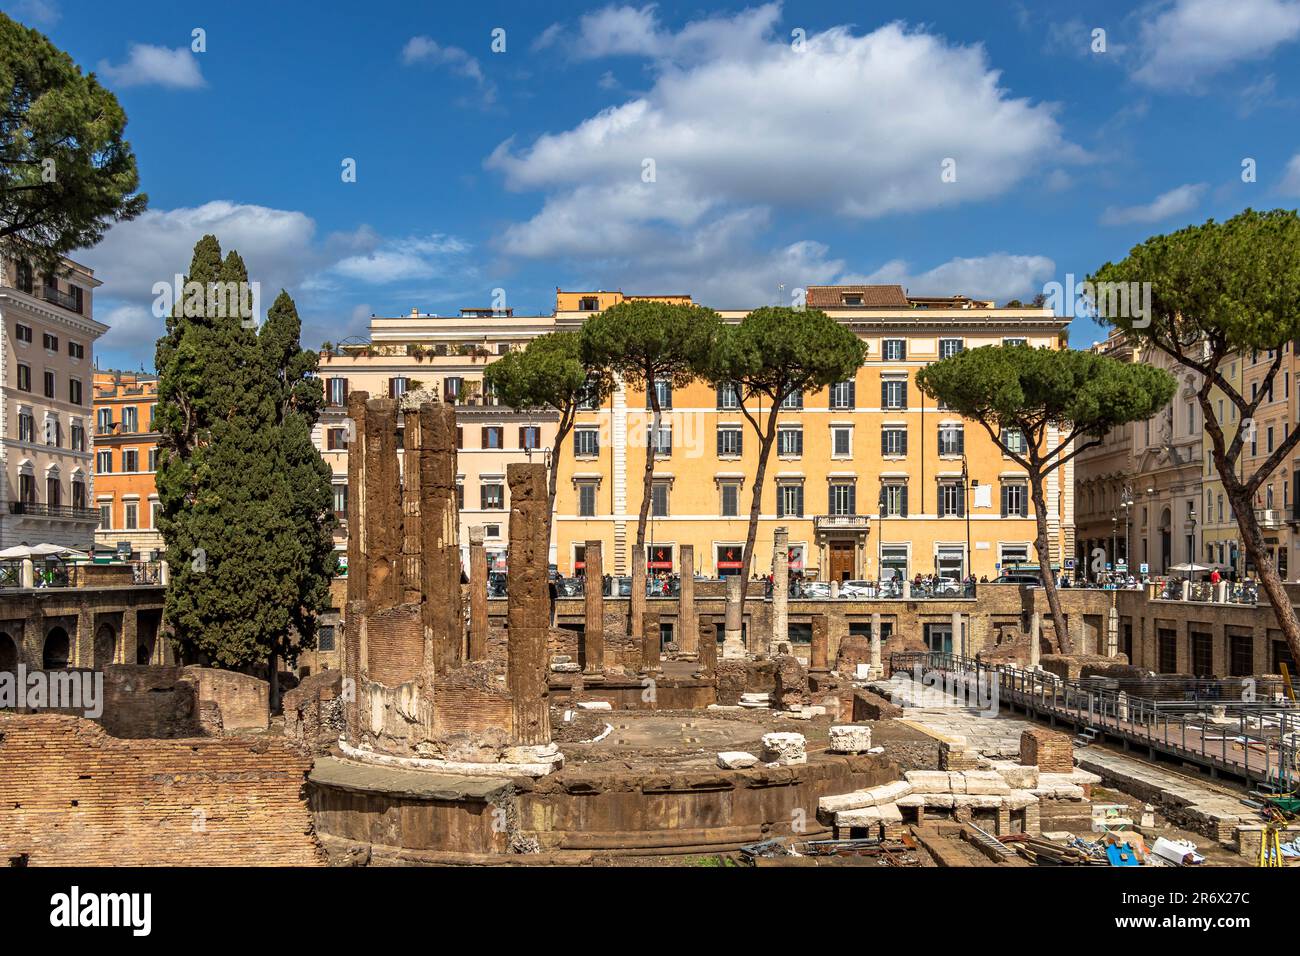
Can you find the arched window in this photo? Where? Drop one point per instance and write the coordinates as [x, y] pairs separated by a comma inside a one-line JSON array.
[[56, 653]]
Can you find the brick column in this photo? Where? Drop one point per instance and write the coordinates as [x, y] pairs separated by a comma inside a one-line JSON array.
[[780, 591], [528, 612], [383, 513], [127, 640], [354, 649], [819, 651], [733, 645], [478, 602], [688, 638], [441, 611], [636, 603], [413, 504], [81, 645], [593, 631]]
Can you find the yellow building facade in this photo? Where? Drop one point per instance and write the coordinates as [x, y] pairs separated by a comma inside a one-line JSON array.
[[871, 478]]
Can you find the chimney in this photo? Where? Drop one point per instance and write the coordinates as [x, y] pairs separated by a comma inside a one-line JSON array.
[[415, 313]]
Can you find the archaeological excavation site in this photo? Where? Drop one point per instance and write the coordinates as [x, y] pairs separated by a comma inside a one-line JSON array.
[[465, 728]]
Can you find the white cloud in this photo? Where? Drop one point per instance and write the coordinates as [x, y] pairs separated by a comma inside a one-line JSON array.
[[1185, 42], [149, 65], [999, 276], [757, 125], [281, 250], [423, 49], [1290, 185], [41, 13], [1175, 202]]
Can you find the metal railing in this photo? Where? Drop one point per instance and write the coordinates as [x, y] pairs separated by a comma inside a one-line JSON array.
[[41, 509], [1250, 737]]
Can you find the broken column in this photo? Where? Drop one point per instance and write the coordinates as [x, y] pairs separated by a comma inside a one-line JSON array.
[[819, 651], [443, 617], [1112, 632], [528, 612], [733, 643], [478, 602], [708, 649], [958, 639], [688, 638], [650, 650], [593, 631], [383, 516], [780, 590], [877, 669]]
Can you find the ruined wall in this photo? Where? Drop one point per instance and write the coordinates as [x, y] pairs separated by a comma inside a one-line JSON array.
[[71, 795], [241, 698], [149, 701], [395, 644]]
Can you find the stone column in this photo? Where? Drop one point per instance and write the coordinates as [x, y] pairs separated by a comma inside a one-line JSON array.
[[478, 602], [820, 649], [958, 639], [688, 640], [413, 573], [636, 603], [383, 513], [733, 644], [81, 645], [650, 655], [1112, 633], [1035, 639], [708, 649], [780, 591], [441, 611], [877, 666], [354, 643], [528, 612], [593, 633]]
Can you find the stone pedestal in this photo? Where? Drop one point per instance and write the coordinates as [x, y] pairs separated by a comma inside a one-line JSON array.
[[820, 649], [478, 601], [733, 643], [708, 649], [528, 603], [592, 652], [688, 637], [780, 591]]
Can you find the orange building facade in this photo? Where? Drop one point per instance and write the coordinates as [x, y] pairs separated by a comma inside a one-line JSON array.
[[126, 456]]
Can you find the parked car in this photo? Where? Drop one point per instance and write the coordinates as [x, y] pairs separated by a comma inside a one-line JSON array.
[[858, 589], [816, 589], [1016, 579]]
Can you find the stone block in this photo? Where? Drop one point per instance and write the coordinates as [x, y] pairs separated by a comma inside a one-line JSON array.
[[785, 748], [736, 760], [850, 739], [985, 782], [929, 781]]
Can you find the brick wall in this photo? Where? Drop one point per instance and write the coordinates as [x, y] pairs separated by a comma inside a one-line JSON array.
[[241, 698], [395, 638], [71, 795]]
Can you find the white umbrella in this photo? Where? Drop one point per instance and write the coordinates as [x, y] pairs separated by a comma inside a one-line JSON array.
[[16, 553], [1188, 568], [54, 551]]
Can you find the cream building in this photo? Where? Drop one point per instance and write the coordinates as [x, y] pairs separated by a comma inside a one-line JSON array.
[[870, 478], [443, 356], [46, 370]]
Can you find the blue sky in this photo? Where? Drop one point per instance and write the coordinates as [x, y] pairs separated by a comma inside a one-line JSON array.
[[779, 159]]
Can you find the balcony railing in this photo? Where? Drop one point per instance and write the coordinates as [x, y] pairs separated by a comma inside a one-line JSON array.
[[1270, 519], [841, 522], [40, 509], [65, 300]]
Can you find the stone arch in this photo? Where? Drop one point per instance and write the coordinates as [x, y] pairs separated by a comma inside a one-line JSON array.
[[8, 653], [57, 651], [105, 644]]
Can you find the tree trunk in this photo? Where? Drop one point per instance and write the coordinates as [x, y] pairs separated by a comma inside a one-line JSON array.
[[273, 685], [1253, 540], [1044, 548], [647, 489], [756, 508]]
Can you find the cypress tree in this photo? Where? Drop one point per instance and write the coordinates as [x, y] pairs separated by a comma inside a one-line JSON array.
[[245, 496]]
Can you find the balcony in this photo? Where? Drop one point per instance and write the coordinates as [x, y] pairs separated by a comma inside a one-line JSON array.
[[1270, 519], [64, 300], [42, 510], [823, 523]]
